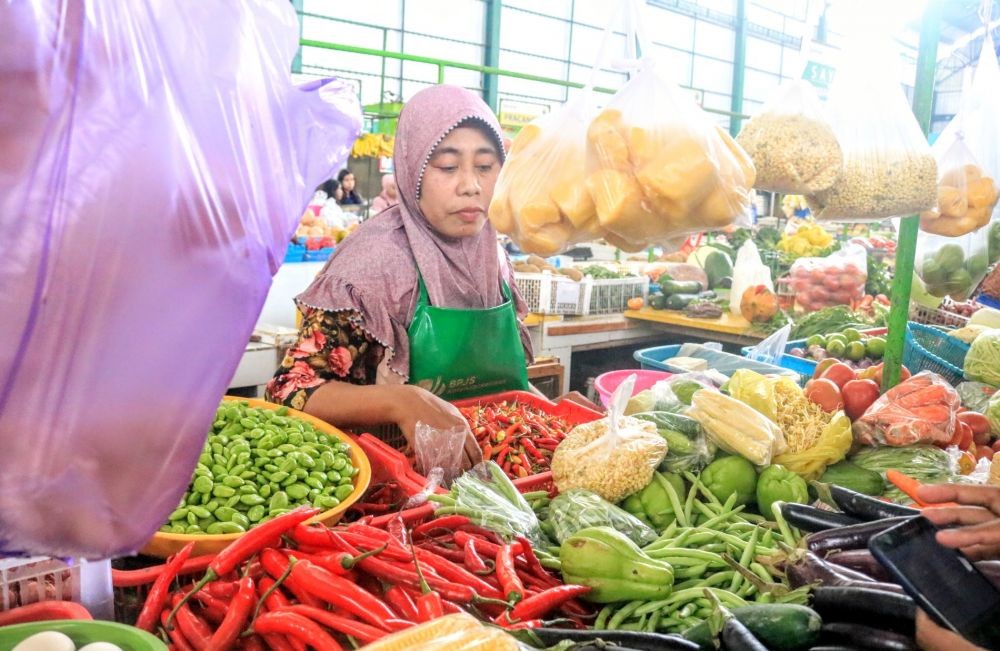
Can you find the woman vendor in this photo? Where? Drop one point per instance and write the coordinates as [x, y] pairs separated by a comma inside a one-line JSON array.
[[418, 306]]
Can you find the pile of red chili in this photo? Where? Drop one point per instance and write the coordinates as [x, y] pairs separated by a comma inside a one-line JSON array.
[[287, 585], [518, 437]]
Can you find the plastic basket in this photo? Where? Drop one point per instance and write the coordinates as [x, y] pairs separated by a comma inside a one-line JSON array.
[[930, 349], [26, 581], [932, 316], [295, 253], [803, 365], [606, 383], [659, 358], [611, 296], [83, 633], [549, 293], [319, 255], [570, 411]]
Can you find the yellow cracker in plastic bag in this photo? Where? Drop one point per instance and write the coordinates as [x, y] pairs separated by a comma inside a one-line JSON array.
[[538, 214], [605, 134], [574, 202]]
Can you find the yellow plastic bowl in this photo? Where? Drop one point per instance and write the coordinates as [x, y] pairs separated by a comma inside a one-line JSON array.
[[163, 544]]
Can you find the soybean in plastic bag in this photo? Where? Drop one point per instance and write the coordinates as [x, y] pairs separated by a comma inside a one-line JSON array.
[[791, 143], [888, 168], [658, 168], [156, 158], [837, 279], [614, 456], [541, 200]]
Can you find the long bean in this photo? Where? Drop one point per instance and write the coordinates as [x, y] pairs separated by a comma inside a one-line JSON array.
[[601, 623], [745, 560], [675, 503], [624, 613]]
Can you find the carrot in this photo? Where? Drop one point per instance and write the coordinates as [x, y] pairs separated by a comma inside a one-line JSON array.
[[909, 485]]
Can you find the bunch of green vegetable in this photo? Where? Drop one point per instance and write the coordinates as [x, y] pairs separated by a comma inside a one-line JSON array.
[[257, 464], [925, 463], [829, 319], [597, 272], [577, 509]]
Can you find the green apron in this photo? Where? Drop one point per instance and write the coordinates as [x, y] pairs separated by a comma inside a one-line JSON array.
[[458, 353]]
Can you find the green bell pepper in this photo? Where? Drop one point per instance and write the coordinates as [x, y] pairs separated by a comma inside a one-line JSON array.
[[728, 475], [614, 567], [778, 484], [652, 504]]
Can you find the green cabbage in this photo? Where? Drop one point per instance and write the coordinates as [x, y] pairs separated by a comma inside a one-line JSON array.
[[982, 363], [993, 413]]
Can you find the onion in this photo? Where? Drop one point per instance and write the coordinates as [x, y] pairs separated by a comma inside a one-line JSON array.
[[797, 352]]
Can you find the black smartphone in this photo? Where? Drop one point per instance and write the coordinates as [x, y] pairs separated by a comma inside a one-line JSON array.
[[943, 582]]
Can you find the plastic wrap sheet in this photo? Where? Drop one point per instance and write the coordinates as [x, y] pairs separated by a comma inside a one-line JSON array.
[[156, 157]]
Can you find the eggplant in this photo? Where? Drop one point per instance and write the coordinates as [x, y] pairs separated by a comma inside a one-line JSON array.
[[859, 636], [864, 507], [810, 568], [860, 560], [737, 637], [895, 612], [812, 519], [854, 536], [629, 639]]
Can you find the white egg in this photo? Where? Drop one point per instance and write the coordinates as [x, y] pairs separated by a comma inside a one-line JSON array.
[[47, 641], [100, 646]]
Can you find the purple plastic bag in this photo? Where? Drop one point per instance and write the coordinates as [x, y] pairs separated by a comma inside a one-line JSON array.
[[156, 158]]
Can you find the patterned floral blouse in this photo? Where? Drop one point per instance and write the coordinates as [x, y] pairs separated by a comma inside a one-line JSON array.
[[331, 346]]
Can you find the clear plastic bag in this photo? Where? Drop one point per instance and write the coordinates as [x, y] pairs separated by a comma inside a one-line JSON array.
[[791, 143], [156, 158], [951, 266], [966, 194], [688, 449], [976, 396], [658, 168], [441, 450], [614, 456], [540, 200], [837, 279], [576, 509], [923, 409], [748, 271], [772, 349], [888, 168], [499, 506]]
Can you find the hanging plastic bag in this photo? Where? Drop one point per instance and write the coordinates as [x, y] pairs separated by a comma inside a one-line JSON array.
[[658, 168], [540, 200], [748, 271], [951, 266], [160, 161], [837, 279], [888, 168], [966, 195], [772, 349], [791, 143], [614, 456]]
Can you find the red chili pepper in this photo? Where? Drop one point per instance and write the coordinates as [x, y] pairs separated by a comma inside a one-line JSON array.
[[543, 603], [276, 600], [429, 607], [212, 608], [158, 595], [530, 623], [529, 555], [340, 624], [277, 642], [447, 523], [236, 617], [44, 611], [510, 583], [453, 555], [195, 630], [252, 643], [340, 563], [473, 561], [399, 599], [484, 546], [297, 626], [176, 637], [146, 575], [222, 589], [260, 537], [276, 564], [533, 451]]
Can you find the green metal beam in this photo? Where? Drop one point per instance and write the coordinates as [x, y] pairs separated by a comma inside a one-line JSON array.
[[297, 61], [739, 68], [441, 64], [906, 248], [491, 52]]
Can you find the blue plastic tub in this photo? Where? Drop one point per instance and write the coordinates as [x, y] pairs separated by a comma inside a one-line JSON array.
[[319, 255], [658, 358], [804, 365], [295, 253]]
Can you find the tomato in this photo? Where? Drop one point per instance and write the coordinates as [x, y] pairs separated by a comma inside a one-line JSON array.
[[985, 452], [980, 424], [875, 373], [956, 437], [840, 374], [966, 436], [996, 445], [859, 396], [822, 366], [825, 393], [831, 283]]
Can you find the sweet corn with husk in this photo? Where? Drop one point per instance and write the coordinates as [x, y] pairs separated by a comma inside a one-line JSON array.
[[458, 632]]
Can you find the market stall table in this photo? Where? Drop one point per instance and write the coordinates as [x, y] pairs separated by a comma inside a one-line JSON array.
[[729, 328]]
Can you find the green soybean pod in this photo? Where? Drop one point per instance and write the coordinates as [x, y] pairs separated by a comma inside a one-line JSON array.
[[288, 481], [264, 490], [330, 490], [200, 512], [333, 476], [233, 501], [238, 469], [287, 447], [295, 438], [339, 463], [225, 513], [326, 502], [216, 448], [191, 518], [316, 474], [243, 457], [196, 498], [279, 476], [202, 471], [278, 501], [288, 466], [219, 471], [345, 481], [320, 464], [233, 481], [312, 482], [272, 468], [280, 438], [328, 458], [202, 485], [223, 491], [221, 462], [301, 473], [248, 489], [179, 514], [248, 474], [212, 505], [256, 513], [241, 519], [343, 492], [192, 529], [247, 423], [305, 460], [297, 491], [275, 453]]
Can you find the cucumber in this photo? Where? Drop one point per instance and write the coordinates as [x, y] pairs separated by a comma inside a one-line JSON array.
[[781, 627], [658, 302], [680, 301], [854, 477], [666, 420], [680, 286]]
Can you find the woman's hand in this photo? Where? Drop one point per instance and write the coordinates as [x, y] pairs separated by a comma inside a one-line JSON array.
[[931, 637], [978, 517], [415, 405]]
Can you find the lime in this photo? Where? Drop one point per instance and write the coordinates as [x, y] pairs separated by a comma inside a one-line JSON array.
[[836, 348], [851, 334], [875, 347], [855, 351], [841, 339], [816, 340]]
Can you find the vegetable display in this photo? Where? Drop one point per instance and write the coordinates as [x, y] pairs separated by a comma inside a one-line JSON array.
[[518, 437], [257, 464], [614, 567], [982, 363], [922, 409], [850, 345]]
